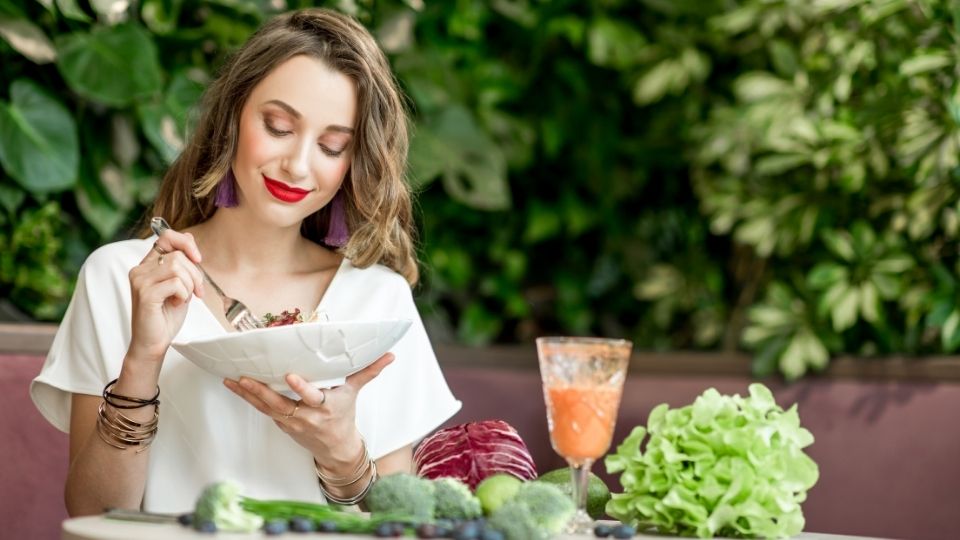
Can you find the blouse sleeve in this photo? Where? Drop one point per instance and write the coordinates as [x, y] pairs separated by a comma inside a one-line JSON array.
[[89, 346], [410, 397]]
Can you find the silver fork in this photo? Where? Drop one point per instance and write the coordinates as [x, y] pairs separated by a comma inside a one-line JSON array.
[[237, 314]]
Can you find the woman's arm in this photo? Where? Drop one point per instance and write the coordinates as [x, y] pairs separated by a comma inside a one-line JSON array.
[[102, 476], [400, 460]]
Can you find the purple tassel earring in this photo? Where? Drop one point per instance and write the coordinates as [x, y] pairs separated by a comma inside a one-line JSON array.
[[226, 196], [337, 233]]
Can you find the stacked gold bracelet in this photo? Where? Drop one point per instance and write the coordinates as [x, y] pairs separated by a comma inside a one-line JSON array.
[[122, 432], [366, 465]]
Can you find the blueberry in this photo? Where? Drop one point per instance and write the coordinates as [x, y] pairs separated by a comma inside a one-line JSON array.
[[469, 527], [445, 525], [185, 519], [426, 530], [602, 531], [491, 534], [206, 526], [467, 530], [327, 526], [302, 524], [443, 532], [384, 530], [399, 529], [275, 527], [624, 531]]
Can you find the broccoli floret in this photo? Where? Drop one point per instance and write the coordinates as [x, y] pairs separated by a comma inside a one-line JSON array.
[[455, 500], [220, 504], [515, 520], [550, 507], [403, 494]]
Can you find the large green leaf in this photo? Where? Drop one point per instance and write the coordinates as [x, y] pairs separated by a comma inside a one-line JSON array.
[[38, 139], [612, 43], [28, 39], [758, 85], [160, 16], [929, 61], [115, 66], [472, 167], [950, 334], [166, 123], [111, 11], [11, 198], [97, 207], [48, 5], [71, 10]]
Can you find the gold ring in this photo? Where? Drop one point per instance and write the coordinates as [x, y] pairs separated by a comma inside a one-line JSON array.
[[296, 407], [159, 250]]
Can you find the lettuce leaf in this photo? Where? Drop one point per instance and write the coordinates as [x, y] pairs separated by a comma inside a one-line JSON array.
[[723, 466]]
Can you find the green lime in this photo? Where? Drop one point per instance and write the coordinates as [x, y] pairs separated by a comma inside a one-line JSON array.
[[597, 492], [495, 490]]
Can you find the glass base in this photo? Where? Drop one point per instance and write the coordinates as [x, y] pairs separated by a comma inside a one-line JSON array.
[[581, 523]]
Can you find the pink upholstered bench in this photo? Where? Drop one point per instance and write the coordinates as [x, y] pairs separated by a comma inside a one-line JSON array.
[[33, 457]]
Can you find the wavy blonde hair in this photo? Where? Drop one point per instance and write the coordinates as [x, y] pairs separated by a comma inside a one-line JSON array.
[[376, 195]]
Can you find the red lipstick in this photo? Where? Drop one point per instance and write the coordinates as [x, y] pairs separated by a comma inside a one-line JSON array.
[[283, 192]]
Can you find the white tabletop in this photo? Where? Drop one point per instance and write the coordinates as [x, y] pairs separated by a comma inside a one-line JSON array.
[[100, 528]]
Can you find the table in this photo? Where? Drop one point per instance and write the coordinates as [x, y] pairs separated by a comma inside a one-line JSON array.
[[100, 528]]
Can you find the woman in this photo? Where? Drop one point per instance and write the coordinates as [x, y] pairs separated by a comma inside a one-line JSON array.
[[292, 189]]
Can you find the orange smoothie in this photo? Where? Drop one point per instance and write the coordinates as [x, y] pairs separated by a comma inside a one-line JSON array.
[[582, 419]]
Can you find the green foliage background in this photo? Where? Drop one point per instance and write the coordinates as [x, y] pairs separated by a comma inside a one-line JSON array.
[[775, 175]]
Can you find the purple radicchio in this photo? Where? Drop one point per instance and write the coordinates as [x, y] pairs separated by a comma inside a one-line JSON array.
[[473, 451]]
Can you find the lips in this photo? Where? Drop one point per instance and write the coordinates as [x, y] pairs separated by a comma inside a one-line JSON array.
[[283, 192]]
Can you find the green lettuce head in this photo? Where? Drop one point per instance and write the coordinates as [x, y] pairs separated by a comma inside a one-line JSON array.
[[723, 466]]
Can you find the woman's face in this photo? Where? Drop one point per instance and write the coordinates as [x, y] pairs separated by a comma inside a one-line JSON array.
[[296, 130]]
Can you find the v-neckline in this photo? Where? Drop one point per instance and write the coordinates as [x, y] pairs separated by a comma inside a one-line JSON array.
[[323, 297]]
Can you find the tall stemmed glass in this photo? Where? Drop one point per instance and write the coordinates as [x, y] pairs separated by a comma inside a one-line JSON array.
[[582, 384]]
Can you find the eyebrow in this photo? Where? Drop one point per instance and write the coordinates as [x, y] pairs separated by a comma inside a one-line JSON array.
[[296, 114]]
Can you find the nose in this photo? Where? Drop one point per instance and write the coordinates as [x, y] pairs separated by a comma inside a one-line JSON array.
[[297, 161]]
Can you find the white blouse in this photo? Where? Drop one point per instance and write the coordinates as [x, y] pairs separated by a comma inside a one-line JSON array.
[[207, 433]]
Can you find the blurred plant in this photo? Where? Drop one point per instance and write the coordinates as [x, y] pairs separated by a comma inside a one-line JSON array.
[[685, 173], [835, 121], [31, 259]]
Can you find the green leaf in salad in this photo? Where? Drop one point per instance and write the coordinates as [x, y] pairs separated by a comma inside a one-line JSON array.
[[722, 466]]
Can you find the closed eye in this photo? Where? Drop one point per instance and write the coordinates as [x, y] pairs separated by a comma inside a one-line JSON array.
[[283, 133], [274, 131], [330, 152]]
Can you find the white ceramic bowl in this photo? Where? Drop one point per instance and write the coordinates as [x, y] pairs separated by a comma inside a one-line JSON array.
[[323, 353]]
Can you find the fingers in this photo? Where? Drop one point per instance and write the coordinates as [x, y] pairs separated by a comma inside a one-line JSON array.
[[171, 288], [183, 248], [360, 379], [176, 241], [175, 264], [145, 279], [279, 407], [309, 394], [187, 272], [261, 397]]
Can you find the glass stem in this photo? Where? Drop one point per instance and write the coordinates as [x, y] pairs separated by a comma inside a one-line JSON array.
[[580, 477]]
